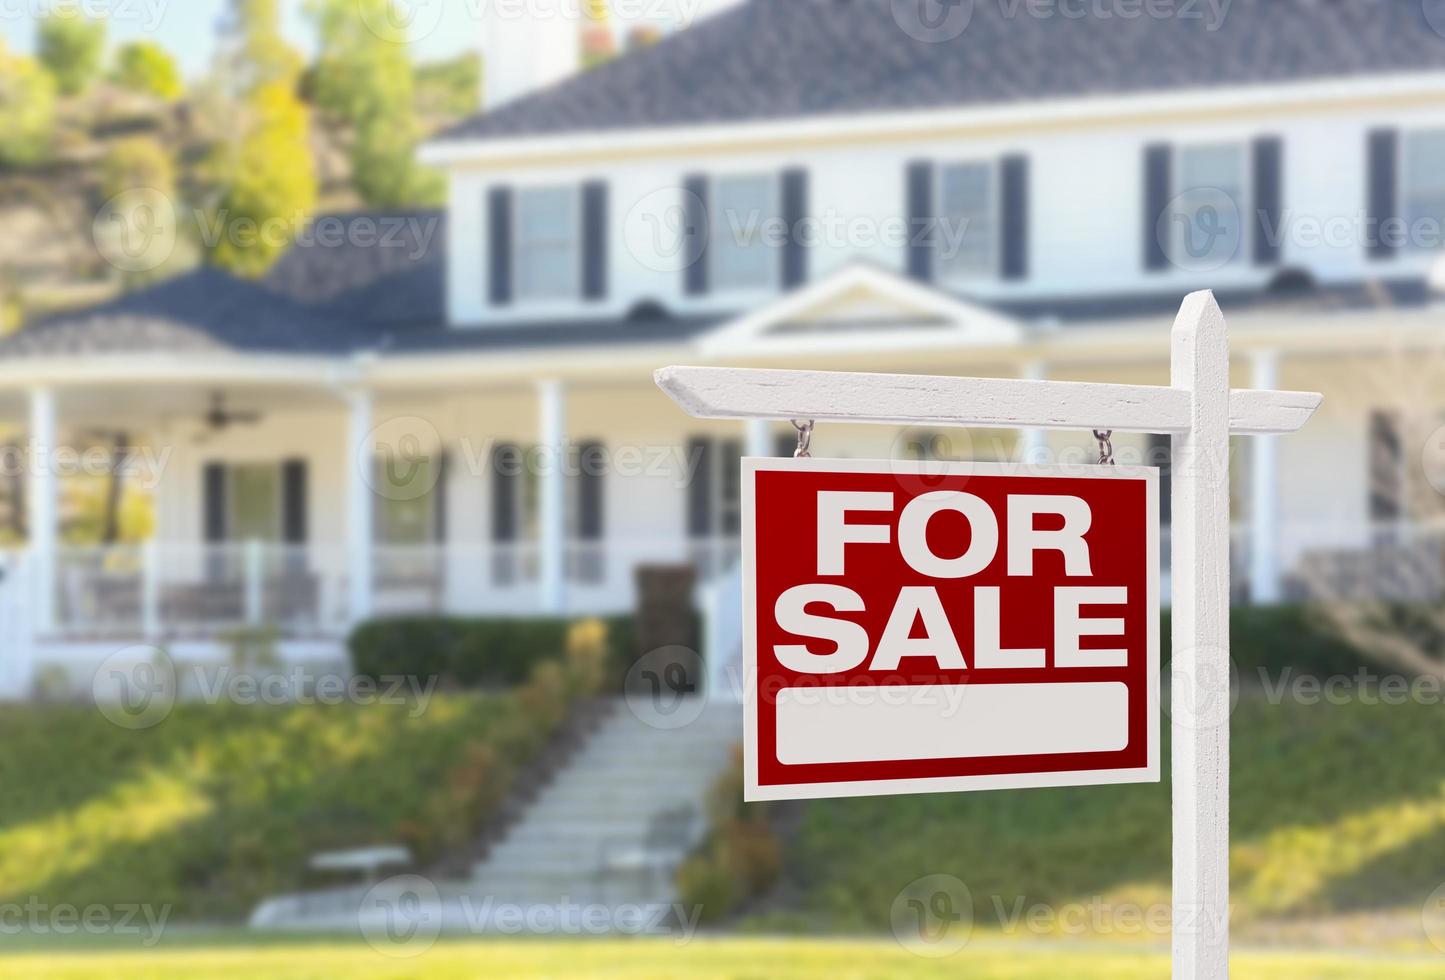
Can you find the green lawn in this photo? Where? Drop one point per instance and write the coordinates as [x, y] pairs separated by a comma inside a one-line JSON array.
[[1336, 809], [758, 959]]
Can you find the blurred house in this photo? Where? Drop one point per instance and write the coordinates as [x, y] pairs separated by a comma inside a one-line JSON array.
[[457, 414]]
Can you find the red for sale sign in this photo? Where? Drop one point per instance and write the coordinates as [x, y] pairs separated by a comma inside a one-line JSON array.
[[930, 627]]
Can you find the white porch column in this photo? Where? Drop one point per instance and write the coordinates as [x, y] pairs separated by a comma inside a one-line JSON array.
[[759, 437], [1033, 446], [360, 501], [552, 519], [44, 505], [1264, 575]]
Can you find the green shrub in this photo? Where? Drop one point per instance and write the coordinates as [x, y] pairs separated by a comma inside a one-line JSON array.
[[705, 884], [1273, 638], [482, 653], [742, 857]]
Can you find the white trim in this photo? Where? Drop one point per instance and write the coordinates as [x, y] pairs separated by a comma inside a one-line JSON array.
[[672, 140], [1007, 403], [967, 324], [752, 791]]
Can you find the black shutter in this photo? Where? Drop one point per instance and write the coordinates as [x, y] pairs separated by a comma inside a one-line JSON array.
[[785, 445], [594, 240], [695, 232], [1157, 160], [1383, 198], [293, 501], [700, 519], [213, 502], [1014, 177], [1268, 200], [499, 245], [439, 497], [795, 210], [506, 470], [591, 472], [921, 220]]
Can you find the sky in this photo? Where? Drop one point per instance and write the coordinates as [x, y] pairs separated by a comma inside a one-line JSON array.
[[187, 28]]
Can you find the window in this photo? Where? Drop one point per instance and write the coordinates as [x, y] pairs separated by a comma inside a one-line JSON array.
[[742, 210], [547, 243], [1423, 181], [966, 235], [254, 511], [1208, 211], [406, 513]]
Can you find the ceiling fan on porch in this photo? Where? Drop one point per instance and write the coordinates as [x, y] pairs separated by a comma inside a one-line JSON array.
[[218, 418]]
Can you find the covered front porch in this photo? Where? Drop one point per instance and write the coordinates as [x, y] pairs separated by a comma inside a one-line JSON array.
[[306, 494]]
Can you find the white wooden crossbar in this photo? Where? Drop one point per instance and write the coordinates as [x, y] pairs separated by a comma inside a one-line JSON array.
[[907, 399]]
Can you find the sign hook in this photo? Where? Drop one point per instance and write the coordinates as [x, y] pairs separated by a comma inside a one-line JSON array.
[[805, 439], [1106, 446]]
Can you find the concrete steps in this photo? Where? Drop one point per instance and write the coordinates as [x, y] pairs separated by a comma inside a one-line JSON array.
[[548, 866]]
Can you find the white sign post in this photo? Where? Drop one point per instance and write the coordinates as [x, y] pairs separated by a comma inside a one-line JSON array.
[[1199, 411]]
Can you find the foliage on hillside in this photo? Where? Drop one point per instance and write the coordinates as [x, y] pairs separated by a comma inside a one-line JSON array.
[[148, 68], [218, 806], [72, 48], [27, 109], [364, 78]]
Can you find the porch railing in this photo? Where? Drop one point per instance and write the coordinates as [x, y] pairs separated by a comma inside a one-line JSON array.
[[180, 590]]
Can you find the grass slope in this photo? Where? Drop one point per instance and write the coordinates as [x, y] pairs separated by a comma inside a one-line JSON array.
[[219, 806], [1335, 808]]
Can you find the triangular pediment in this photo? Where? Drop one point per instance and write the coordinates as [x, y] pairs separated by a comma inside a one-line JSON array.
[[861, 306]]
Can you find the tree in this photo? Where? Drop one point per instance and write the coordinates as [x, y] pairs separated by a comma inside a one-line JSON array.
[[259, 54], [146, 67], [272, 186], [365, 79], [269, 177], [27, 109], [71, 47]]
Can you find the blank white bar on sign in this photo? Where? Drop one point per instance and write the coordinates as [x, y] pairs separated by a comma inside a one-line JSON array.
[[957, 721]]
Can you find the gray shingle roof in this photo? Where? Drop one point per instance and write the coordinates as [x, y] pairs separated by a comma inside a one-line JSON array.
[[208, 311], [202, 311], [376, 267], [777, 59]]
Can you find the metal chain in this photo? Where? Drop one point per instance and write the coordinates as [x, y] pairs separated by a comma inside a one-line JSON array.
[[805, 439], [1106, 447]]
